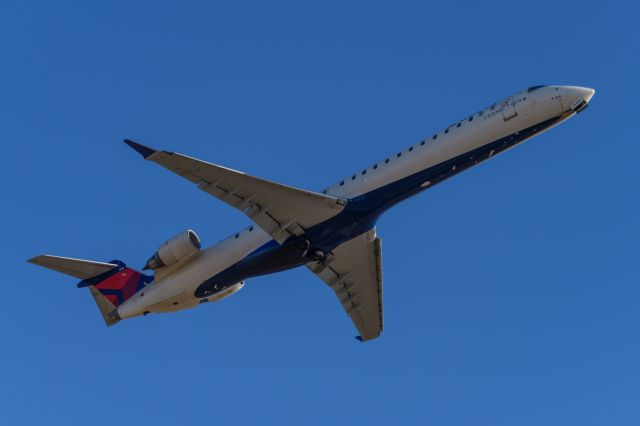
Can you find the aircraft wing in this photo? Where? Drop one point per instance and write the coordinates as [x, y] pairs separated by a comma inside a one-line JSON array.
[[354, 272], [280, 210]]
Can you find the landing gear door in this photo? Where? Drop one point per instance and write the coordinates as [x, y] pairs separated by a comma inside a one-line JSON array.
[[508, 109]]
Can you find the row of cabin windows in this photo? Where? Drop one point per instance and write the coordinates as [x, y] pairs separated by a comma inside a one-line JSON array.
[[434, 137], [398, 155]]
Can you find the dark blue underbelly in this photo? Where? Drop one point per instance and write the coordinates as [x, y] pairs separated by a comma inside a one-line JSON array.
[[359, 215]]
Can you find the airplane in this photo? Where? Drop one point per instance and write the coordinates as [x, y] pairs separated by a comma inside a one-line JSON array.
[[331, 232]]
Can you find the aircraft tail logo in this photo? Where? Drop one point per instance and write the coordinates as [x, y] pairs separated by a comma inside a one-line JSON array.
[[119, 284]]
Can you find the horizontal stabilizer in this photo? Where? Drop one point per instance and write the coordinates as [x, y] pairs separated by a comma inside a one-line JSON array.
[[105, 306], [79, 268]]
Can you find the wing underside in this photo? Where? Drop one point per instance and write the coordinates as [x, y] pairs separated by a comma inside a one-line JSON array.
[[280, 210], [354, 272]]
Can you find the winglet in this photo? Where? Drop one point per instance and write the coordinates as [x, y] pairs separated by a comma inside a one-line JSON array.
[[145, 151]]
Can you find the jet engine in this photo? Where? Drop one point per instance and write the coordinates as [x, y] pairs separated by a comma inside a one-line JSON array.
[[178, 248]]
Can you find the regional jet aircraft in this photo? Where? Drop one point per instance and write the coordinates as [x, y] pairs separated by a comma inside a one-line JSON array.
[[331, 232]]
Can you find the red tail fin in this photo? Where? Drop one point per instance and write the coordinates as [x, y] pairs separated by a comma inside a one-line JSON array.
[[119, 284]]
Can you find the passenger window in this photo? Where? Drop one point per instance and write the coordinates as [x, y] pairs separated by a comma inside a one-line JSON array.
[[434, 137], [459, 124], [375, 166], [422, 143], [446, 131], [471, 118], [399, 154], [353, 177], [410, 149], [364, 172], [386, 161], [342, 183]]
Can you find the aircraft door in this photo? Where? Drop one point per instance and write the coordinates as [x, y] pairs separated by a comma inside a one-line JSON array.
[[508, 109]]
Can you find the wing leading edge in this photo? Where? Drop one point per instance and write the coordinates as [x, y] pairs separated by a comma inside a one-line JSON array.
[[280, 210], [354, 272]]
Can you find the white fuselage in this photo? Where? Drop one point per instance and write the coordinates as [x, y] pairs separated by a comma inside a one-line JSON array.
[[174, 290]]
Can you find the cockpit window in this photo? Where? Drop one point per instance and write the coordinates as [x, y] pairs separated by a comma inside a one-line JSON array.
[[533, 88]]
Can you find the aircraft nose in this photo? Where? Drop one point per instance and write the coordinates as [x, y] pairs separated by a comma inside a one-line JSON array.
[[585, 93], [577, 98]]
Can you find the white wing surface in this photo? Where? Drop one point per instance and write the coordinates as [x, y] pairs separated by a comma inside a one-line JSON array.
[[354, 272], [280, 210]]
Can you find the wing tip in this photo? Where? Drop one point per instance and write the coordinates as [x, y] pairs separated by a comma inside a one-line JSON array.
[[34, 259], [145, 151], [39, 259], [367, 338]]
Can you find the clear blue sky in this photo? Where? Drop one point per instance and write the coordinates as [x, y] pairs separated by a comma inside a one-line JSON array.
[[511, 291]]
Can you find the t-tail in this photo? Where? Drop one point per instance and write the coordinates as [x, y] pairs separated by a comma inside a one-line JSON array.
[[110, 283]]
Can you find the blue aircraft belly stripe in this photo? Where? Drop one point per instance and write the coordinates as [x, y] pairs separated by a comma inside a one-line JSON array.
[[361, 212]]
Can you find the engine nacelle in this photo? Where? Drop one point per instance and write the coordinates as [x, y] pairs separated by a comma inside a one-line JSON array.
[[224, 293], [174, 250]]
